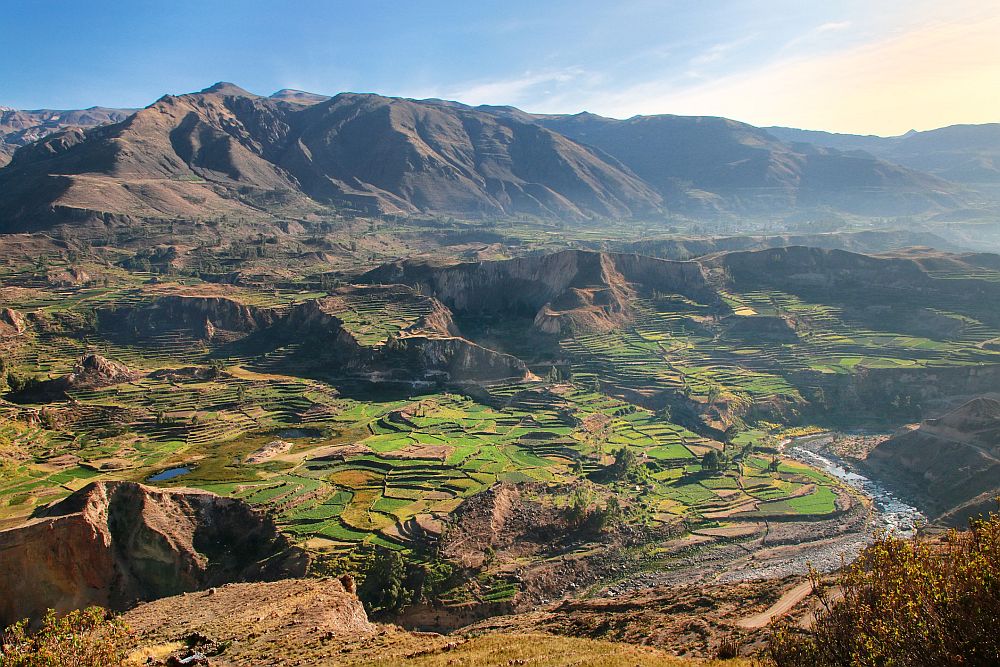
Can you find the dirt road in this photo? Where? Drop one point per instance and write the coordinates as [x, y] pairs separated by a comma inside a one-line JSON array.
[[784, 604]]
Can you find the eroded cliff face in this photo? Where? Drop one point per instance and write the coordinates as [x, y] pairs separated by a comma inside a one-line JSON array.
[[572, 290], [950, 465], [450, 359], [901, 394], [202, 316], [117, 543]]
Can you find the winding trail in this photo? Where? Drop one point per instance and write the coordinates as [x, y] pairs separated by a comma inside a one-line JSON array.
[[784, 604]]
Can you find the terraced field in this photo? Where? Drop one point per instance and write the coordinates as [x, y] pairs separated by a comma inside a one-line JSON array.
[[347, 461], [379, 472], [763, 350]]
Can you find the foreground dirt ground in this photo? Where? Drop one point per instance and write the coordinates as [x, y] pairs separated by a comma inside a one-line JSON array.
[[306, 622]]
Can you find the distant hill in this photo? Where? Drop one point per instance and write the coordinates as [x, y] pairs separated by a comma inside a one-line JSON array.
[[18, 128], [961, 153], [298, 96]]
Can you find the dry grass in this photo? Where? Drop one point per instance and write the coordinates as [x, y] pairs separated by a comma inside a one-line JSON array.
[[539, 650]]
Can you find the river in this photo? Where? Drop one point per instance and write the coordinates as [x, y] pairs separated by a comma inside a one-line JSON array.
[[891, 513]]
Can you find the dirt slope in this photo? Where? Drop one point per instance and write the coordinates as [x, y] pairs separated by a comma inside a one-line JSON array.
[[317, 622]]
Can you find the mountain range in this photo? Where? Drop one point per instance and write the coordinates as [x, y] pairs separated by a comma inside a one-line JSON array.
[[226, 152], [968, 154], [18, 128]]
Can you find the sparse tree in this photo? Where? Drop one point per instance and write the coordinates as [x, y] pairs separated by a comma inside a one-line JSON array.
[[579, 505], [711, 461], [383, 588], [624, 465]]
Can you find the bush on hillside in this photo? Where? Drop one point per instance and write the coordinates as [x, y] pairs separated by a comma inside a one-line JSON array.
[[908, 603], [82, 638]]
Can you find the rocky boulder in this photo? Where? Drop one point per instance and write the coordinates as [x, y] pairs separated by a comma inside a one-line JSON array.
[[11, 322], [94, 372]]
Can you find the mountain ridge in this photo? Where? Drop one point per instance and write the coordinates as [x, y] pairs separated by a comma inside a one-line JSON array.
[[226, 151]]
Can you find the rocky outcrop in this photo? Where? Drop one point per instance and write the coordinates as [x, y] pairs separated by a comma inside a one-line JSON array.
[[116, 543], [69, 277], [202, 316], [11, 323], [94, 372], [949, 465]]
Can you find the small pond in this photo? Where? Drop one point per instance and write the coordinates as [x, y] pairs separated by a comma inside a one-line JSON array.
[[169, 473]]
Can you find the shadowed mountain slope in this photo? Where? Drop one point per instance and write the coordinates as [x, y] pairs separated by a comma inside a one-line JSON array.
[[705, 164], [951, 465]]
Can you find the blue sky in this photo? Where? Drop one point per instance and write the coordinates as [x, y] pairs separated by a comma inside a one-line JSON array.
[[838, 65]]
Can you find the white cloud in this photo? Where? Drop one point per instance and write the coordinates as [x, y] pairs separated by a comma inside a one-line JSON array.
[[718, 53], [833, 26], [519, 89]]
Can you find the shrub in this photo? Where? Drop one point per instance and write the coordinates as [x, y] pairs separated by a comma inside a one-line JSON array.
[[912, 603], [579, 506], [82, 638], [22, 384]]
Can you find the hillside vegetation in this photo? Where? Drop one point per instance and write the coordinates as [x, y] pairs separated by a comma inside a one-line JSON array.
[[913, 603]]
